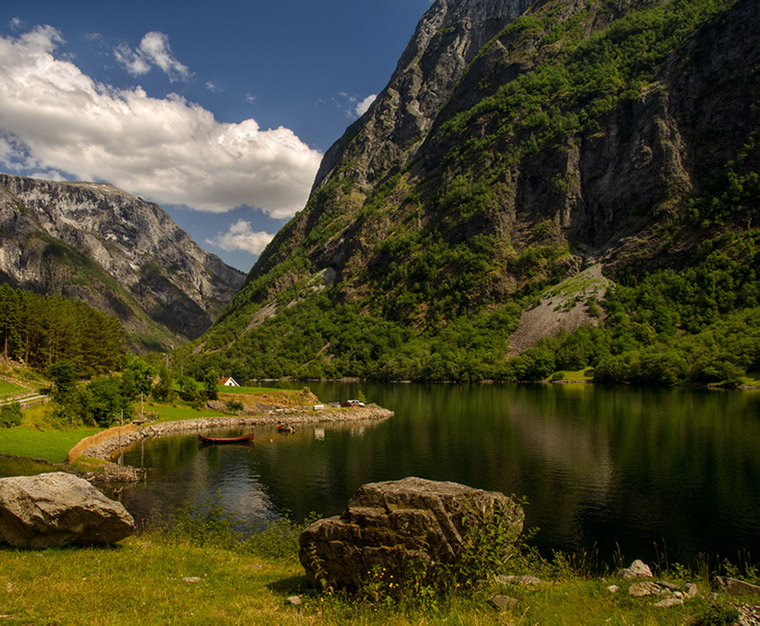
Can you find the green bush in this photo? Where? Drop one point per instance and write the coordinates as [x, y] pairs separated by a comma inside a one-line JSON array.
[[10, 415]]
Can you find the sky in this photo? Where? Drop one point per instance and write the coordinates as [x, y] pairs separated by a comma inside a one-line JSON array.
[[219, 112]]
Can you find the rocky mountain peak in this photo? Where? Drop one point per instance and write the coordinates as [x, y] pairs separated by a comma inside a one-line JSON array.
[[446, 40], [117, 252]]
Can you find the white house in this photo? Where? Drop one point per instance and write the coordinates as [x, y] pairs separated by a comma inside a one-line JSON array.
[[228, 382]]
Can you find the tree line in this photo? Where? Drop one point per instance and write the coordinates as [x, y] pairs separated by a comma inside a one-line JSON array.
[[40, 330]]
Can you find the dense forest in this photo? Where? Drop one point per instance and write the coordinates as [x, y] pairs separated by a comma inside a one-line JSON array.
[[41, 330]]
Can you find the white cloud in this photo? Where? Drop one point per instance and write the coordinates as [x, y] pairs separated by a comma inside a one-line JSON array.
[[170, 150], [154, 50], [364, 105], [241, 237]]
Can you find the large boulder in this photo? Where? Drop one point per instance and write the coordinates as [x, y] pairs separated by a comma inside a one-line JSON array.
[[58, 509], [395, 523]]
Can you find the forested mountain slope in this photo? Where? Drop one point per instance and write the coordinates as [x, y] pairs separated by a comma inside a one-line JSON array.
[[118, 253], [519, 148]]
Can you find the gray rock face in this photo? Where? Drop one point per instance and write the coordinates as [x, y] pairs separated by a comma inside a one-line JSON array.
[[58, 509], [447, 38], [117, 252], [390, 524]]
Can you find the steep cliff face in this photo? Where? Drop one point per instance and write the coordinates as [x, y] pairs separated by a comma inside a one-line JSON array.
[[117, 252], [516, 145]]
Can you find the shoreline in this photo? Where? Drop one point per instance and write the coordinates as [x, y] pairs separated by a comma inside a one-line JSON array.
[[105, 445]]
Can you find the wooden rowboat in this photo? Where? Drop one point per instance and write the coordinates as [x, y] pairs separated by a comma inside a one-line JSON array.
[[284, 428], [241, 439]]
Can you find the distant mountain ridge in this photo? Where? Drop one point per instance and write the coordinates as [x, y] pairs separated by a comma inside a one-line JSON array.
[[117, 252], [517, 146]]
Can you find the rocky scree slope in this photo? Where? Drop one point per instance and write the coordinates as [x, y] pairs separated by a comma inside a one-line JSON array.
[[117, 252], [518, 144]]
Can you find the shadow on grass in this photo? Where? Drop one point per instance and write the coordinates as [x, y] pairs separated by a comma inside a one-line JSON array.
[[293, 585], [102, 547]]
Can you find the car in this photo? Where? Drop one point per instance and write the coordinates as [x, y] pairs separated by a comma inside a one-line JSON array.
[[352, 403]]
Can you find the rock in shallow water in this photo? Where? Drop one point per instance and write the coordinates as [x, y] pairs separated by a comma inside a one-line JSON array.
[[59, 509], [390, 524]]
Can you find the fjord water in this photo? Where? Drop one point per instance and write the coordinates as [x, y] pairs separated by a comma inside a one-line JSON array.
[[649, 473]]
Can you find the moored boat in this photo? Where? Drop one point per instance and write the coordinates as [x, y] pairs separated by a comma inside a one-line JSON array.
[[284, 428], [240, 439]]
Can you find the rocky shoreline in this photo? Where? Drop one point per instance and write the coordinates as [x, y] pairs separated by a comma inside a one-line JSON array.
[[107, 447]]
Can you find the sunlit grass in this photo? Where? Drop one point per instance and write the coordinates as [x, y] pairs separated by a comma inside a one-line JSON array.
[[255, 390], [51, 445], [9, 389], [169, 413], [149, 579]]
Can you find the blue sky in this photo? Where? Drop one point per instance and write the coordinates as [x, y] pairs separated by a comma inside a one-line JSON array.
[[220, 112]]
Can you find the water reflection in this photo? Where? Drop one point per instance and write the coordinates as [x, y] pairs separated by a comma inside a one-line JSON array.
[[599, 466]]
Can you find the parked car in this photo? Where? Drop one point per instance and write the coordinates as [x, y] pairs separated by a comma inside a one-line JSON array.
[[352, 403]]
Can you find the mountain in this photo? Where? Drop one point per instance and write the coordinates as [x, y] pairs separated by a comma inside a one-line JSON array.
[[535, 175], [119, 253]]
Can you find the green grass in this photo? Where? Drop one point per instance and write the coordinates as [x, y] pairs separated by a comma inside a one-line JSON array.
[[170, 413], [143, 580], [20, 466], [255, 390], [9, 389], [51, 445]]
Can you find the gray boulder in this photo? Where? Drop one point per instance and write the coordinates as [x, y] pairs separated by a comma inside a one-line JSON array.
[[58, 509], [397, 523]]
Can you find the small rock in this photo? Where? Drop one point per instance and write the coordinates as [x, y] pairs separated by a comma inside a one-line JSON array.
[[520, 580], [502, 602], [669, 602], [691, 590], [667, 585], [613, 588], [678, 594], [8, 587], [191, 579], [294, 600], [735, 587], [637, 569], [641, 590]]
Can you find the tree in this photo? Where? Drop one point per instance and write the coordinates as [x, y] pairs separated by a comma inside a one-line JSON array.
[[210, 381], [162, 389]]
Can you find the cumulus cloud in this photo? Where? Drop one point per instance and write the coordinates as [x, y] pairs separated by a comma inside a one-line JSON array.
[[364, 105], [154, 50], [54, 117], [240, 236]]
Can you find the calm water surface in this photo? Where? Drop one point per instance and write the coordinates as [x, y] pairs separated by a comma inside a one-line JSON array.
[[652, 471]]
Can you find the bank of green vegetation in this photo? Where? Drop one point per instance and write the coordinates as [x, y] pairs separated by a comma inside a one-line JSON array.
[[199, 570], [431, 305], [697, 324]]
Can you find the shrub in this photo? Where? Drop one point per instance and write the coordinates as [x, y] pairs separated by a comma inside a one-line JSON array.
[[10, 415]]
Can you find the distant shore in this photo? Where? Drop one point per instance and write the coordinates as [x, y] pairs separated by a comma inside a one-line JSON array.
[[105, 445]]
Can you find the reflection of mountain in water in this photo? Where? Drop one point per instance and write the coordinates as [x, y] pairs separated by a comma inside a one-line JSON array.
[[598, 466]]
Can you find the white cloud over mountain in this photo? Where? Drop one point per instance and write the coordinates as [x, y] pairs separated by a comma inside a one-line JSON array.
[[240, 236], [54, 118]]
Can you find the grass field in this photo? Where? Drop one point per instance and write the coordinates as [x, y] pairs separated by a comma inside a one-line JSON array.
[[8, 390], [51, 445], [169, 413], [154, 580]]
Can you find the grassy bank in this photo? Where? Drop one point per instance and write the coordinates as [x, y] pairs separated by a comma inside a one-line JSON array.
[[51, 445], [154, 579]]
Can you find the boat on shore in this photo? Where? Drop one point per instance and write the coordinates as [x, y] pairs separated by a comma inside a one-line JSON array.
[[241, 439]]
